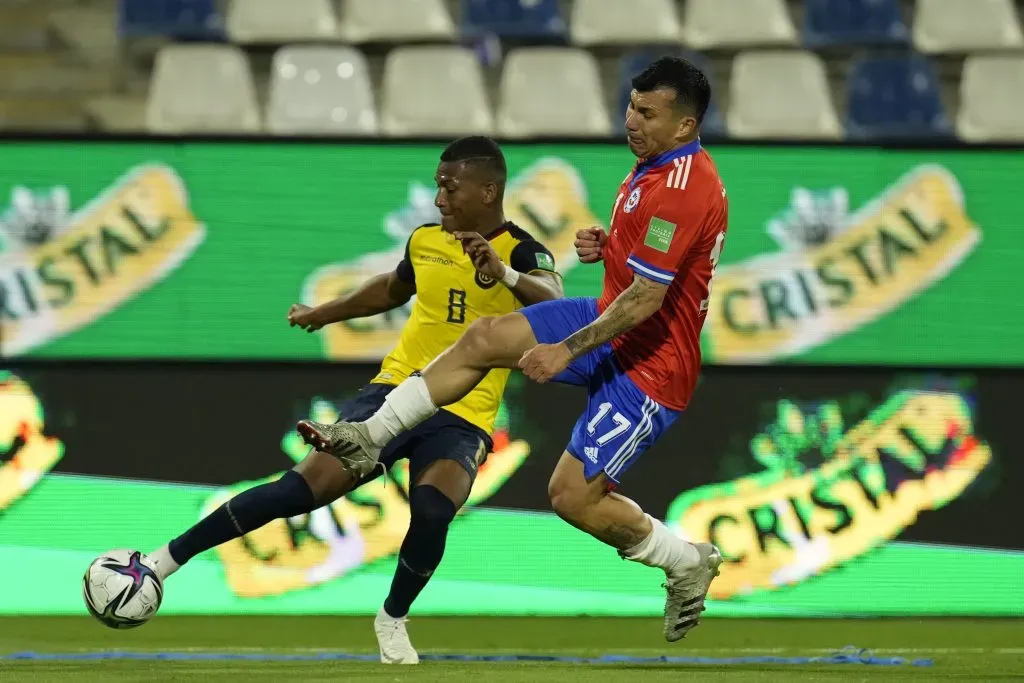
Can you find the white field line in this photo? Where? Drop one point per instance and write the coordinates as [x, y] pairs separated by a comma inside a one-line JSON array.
[[652, 652]]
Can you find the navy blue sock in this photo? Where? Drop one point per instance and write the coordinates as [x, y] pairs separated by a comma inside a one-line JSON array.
[[421, 552], [249, 510]]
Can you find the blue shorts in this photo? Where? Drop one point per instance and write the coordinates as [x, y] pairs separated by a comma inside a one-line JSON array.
[[620, 421]]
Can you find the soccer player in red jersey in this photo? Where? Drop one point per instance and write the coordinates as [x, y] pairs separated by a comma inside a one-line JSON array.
[[636, 348]]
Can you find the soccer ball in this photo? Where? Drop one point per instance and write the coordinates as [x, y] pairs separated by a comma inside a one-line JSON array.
[[121, 589]]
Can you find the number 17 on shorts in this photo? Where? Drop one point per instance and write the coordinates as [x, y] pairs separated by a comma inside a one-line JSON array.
[[620, 423]]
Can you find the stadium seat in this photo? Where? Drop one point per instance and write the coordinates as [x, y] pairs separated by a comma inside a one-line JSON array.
[[781, 94], [537, 19], [636, 22], [320, 90], [551, 91], [633, 63], [894, 97], [202, 89], [959, 26], [992, 99], [711, 24], [434, 90], [273, 21], [853, 22], [182, 19], [368, 21]]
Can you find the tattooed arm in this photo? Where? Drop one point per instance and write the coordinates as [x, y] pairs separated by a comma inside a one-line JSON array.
[[636, 304]]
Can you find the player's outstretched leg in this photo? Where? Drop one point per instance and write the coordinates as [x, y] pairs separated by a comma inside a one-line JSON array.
[[592, 507], [487, 343], [316, 481], [433, 502]]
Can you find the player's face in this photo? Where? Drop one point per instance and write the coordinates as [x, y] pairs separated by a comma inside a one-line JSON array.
[[654, 125], [461, 197]]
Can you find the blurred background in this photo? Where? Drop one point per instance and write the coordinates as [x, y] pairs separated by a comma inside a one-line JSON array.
[[175, 173], [809, 69]]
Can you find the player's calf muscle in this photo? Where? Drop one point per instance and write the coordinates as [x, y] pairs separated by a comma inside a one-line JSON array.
[[326, 477]]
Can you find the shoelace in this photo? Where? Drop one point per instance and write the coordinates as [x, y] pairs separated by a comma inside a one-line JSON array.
[[396, 627]]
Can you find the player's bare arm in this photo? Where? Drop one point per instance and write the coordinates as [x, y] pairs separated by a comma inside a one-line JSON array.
[[529, 288], [379, 294], [635, 304]]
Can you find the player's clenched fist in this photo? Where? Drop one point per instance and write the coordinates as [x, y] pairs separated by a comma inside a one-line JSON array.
[[300, 315], [590, 244], [482, 254], [545, 361]]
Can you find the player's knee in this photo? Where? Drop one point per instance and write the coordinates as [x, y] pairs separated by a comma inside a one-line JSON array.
[[327, 479], [431, 510], [478, 341], [566, 501]]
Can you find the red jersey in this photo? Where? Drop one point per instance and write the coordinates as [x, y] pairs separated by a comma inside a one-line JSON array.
[[668, 225]]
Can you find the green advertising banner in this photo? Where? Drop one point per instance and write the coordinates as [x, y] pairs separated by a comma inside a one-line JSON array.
[[163, 250], [835, 493]]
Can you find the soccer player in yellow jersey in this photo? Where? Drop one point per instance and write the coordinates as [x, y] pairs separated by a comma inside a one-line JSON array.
[[474, 264]]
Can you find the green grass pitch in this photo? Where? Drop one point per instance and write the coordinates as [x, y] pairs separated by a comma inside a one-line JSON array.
[[980, 650]]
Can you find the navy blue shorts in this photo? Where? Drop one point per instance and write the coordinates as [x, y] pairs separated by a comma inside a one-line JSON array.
[[445, 436], [620, 421]]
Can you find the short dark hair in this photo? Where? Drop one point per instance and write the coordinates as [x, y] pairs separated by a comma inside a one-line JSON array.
[[693, 91], [481, 152]]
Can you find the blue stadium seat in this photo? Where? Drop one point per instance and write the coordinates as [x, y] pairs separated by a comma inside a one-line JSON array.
[[895, 97], [537, 19], [828, 23], [180, 19], [634, 62]]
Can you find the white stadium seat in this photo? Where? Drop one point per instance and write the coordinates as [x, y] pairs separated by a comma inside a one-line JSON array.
[[633, 22], [959, 26], [434, 90], [320, 90], [277, 21], [202, 89], [551, 91], [992, 99], [365, 21], [781, 94], [737, 23]]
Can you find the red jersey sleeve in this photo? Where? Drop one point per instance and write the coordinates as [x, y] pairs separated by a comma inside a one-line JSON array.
[[672, 228]]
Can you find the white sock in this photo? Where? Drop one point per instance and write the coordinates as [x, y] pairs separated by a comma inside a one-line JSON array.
[[663, 549], [163, 564], [406, 406]]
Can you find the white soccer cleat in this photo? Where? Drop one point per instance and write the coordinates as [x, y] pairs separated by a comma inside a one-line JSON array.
[[687, 590], [350, 442], [393, 640]]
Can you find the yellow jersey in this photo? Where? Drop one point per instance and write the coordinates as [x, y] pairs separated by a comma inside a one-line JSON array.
[[451, 294]]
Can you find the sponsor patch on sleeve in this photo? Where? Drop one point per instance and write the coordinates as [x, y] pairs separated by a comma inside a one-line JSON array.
[[659, 234], [545, 262]]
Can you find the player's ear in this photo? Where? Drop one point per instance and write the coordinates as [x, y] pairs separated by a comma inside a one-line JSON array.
[[490, 192], [687, 126]]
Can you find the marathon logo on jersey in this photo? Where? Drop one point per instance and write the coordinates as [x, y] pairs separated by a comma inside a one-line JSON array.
[[839, 271], [26, 453], [333, 541], [548, 199], [62, 270], [798, 519]]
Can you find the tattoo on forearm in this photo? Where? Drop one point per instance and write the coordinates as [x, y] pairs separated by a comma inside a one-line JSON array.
[[622, 315]]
